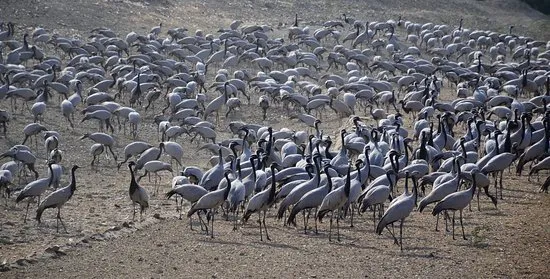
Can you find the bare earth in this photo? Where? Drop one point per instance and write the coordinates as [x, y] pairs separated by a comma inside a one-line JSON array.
[[511, 241]]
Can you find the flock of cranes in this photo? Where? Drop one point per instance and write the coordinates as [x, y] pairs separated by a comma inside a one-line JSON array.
[[391, 88]]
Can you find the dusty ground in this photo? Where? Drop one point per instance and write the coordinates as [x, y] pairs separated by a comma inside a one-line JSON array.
[[511, 241]]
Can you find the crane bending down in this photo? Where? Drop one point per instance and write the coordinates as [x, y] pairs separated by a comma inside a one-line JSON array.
[[212, 201]]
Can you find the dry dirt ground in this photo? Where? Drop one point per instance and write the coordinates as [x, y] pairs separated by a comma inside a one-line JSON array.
[[511, 241]]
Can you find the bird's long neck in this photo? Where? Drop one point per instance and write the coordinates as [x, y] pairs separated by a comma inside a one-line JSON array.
[[239, 168], [273, 186], [347, 186], [73, 180], [367, 162], [343, 148], [415, 190], [329, 180], [133, 183], [496, 145], [269, 143], [474, 184], [358, 167], [220, 157], [463, 148], [327, 149], [253, 168], [226, 192], [245, 139], [234, 151], [407, 183], [394, 161], [160, 152], [318, 170], [51, 175]]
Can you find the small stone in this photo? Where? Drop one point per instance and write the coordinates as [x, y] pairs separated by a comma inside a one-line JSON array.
[[9, 223], [157, 216], [52, 249], [242, 253], [61, 253], [126, 225], [114, 228], [140, 259], [85, 240], [216, 259], [21, 262]]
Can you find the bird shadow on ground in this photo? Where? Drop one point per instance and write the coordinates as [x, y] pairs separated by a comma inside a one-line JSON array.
[[355, 245], [274, 245], [524, 202], [515, 190], [217, 241], [410, 252], [495, 213]]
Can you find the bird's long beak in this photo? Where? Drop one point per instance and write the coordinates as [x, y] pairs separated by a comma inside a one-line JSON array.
[[82, 137]]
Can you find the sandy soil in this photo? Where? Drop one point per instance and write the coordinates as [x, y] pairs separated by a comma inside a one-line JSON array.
[[511, 241]]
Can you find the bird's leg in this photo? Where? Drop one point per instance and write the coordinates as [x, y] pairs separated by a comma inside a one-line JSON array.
[[235, 217], [60, 220], [305, 223], [500, 181], [462, 225], [478, 207], [260, 223], [374, 215], [338, 228], [265, 228], [141, 213], [330, 227], [395, 241], [315, 219], [134, 215], [446, 217], [177, 207], [453, 225], [351, 209], [212, 230], [204, 227], [436, 222], [111, 150], [496, 184], [27, 211], [401, 233], [181, 207]]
